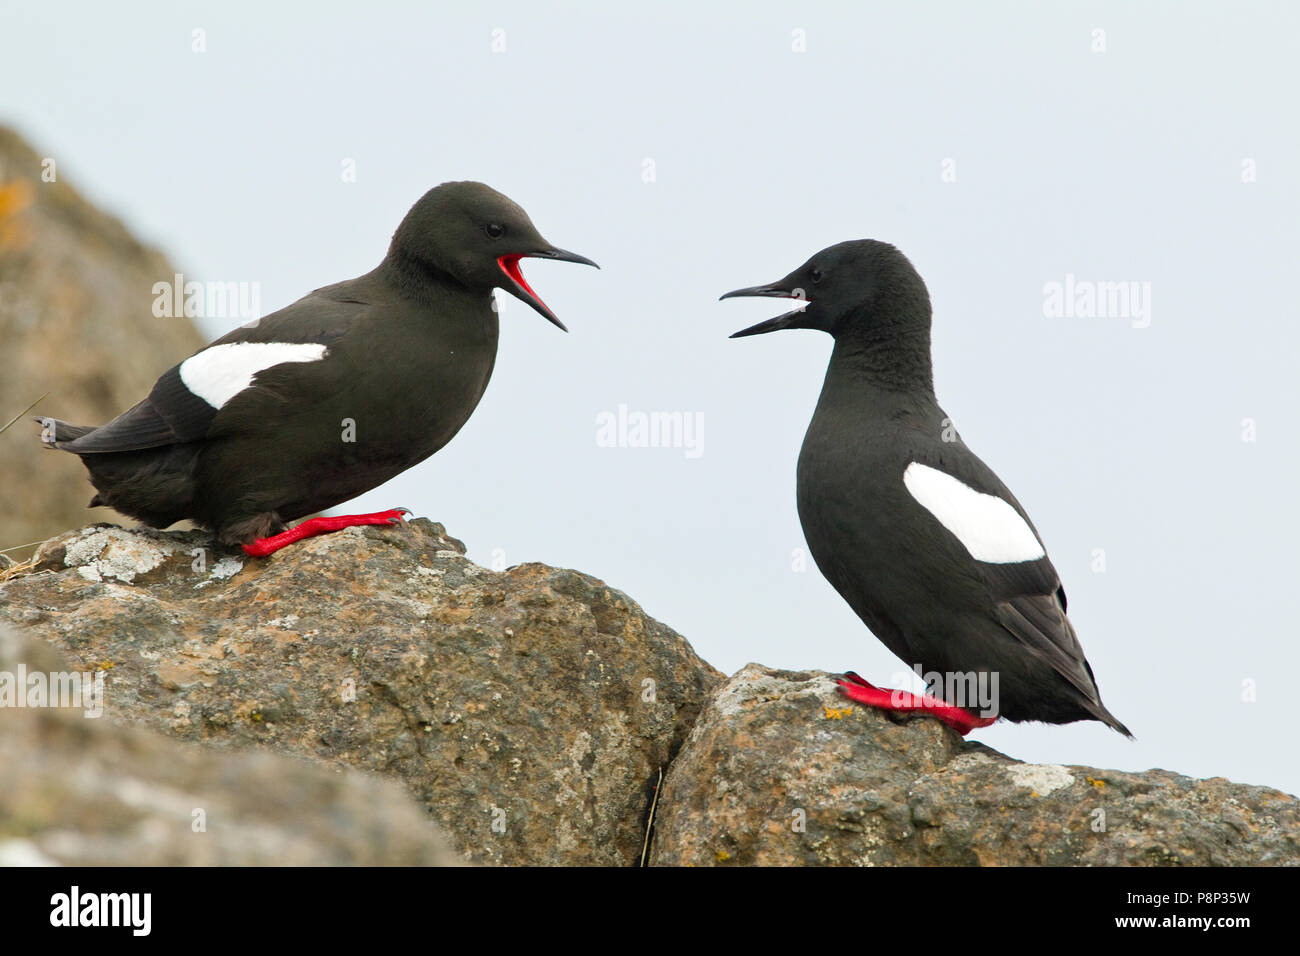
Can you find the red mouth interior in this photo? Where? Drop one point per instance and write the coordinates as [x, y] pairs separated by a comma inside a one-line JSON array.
[[510, 266]]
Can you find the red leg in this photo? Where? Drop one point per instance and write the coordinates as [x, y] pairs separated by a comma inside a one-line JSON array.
[[958, 718], [314, 526]]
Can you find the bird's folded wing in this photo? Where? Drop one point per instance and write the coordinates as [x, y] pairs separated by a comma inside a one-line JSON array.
[[140, 427], [1038, 621], [1032, 578], [177, 411], [1027, 595]]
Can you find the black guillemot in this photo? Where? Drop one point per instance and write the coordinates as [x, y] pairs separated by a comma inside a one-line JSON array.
[[330, 396], [918, 535]]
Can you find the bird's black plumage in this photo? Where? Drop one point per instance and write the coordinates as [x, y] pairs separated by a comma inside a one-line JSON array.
[[915, 583], [403, 353]]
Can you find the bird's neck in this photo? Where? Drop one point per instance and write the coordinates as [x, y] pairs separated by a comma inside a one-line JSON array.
[[870, 382], [884, 358], [414, 277]]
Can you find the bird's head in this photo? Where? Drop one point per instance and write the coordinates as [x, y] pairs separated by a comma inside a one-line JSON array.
[[477, 236], [860, 286]]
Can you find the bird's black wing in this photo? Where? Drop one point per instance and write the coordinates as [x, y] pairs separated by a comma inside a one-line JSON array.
[[172, 414], [1028, 598]]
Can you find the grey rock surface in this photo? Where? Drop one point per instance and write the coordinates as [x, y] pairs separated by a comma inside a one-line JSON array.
[[86, 791], [781, 771], [529, 711]]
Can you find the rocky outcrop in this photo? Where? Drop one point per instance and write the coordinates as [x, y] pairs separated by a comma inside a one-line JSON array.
[[781, 771], [530, 711], [80, 790], [77, 322]]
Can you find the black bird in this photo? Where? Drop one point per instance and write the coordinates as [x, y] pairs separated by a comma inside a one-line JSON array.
[[917, 534], [330, 396]]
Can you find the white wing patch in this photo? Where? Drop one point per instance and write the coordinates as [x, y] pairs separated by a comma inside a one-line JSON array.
[[218, 374], [991, 530]]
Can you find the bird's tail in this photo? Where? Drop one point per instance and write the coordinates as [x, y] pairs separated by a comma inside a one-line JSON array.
[[55, 433], [1098, 710], [155, 485]]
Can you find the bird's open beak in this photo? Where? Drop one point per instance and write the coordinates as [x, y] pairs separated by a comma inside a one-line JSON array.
[[519, 287], [787, 320]]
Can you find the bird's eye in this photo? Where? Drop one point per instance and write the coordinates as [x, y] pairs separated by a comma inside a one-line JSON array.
[[495, 230], [816, 275]]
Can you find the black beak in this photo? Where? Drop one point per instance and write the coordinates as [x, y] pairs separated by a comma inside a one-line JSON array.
[[563, 255], [787, 320], [519, 286]]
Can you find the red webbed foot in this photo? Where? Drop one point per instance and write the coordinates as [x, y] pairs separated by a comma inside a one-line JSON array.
[[958, 718], [323, 525]]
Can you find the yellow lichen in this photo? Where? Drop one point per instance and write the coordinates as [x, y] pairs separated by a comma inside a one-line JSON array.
[[15, 197], [722, 856], [838, 713]]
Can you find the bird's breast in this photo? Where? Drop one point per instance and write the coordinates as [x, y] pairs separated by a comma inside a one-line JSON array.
[[414, 383]]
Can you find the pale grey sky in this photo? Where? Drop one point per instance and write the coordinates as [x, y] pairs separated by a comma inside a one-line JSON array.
[[1119, 165]]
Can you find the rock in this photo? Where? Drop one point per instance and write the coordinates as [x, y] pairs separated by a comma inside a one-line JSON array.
[[781, 771], [84, 791], [530, 711], [77, 321]]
